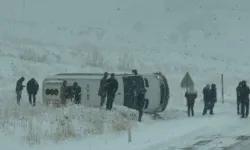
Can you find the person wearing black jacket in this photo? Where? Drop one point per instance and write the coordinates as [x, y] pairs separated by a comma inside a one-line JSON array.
[[32, 88], [76, 91], [213, 98], [19, 89], [191, 95], [244, 98], [111, 87], [206, 98], [238, 97], [102, 88]]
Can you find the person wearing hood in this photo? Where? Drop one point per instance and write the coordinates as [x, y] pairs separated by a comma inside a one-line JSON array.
[[191, 95], [206, 98]]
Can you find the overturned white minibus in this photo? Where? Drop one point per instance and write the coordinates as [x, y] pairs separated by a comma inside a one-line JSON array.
[[157, 94]]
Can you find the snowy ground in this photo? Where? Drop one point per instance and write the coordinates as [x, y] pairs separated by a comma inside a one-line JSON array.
[[207, 38]]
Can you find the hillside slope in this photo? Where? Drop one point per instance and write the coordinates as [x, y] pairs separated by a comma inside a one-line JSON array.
[[168, 36]]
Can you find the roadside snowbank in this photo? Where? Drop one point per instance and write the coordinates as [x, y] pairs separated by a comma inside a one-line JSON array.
[[39, 124]]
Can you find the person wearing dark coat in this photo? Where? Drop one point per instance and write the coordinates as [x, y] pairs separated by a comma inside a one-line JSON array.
[[141, 102], [213, 98], [102, 89], [19, 89], [244, 98], [206, 98], [191, 95], [111, 87], [63, 93], [238, 97], [76, 91], [32, 88]]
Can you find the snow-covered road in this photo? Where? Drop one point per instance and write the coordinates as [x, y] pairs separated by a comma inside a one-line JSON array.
[[242, 143], [202, 132]]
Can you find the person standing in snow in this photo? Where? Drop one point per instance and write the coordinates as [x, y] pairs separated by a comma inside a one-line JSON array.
[[244, 98], [191, 95], [238, 97], [102, 88], [141, 102], [64, 93], [32, 88], [213, 98], [206, 98], [112, 87], [76, 91], [19, 89]]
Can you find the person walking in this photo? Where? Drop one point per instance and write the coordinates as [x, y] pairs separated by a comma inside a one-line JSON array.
[[190, 95]]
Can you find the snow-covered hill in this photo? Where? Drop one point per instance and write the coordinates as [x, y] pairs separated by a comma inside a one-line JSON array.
[[207, 38]]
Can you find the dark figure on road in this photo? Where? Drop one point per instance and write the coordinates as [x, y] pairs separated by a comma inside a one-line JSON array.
[[76, 91], [64, 93], [191, 95], [244, 98], [238, 97], [141, 102], [102, 89], [206, 98], [112, 87], [19, 89], [213, 98], [32, 88]]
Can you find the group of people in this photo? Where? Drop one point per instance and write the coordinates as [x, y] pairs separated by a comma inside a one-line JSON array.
[[32, 89], [109, 86], [74, 93], [209, 97], [108, 89]]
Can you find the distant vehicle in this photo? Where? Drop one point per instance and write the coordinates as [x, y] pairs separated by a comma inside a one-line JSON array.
[[155, 83]]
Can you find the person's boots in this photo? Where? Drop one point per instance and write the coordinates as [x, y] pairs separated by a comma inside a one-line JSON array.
[[238, 109], [204, 112], [140, 115], [188, 113], [211, 111]]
